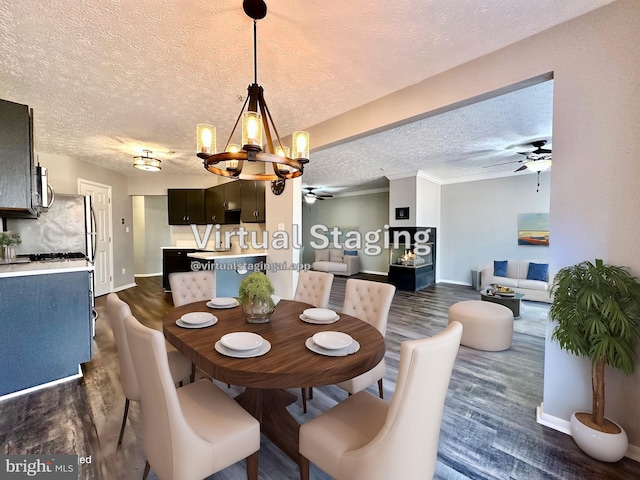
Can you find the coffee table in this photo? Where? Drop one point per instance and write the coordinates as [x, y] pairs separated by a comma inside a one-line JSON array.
[[513, 303]]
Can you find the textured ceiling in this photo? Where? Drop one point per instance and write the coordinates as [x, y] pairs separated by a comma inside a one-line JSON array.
[[107, 79]]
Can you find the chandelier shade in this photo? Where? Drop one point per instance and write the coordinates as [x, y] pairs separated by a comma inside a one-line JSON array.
[[256, 122], [146, 163], [538, 165]]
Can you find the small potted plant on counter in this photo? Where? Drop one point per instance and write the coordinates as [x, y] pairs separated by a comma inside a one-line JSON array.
[[8, 240], [597, 311], [254, 295]]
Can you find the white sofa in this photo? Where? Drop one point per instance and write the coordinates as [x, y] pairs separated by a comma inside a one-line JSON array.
[[536, 290], [334, 260]]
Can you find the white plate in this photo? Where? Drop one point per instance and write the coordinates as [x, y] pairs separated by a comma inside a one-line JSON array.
[[196, 318], [210, 304], [332, 340], [318, 322], [353, 348], [264, 348], [223, 301], [182, 324], [319, 314], [241, 341]]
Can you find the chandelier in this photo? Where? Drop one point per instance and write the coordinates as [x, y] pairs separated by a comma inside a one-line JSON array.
[[147, 163], [256, 120]]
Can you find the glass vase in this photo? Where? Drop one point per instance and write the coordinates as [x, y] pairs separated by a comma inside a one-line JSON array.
[[258, 311]]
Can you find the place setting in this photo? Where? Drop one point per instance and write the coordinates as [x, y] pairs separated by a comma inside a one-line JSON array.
[[319, 316], [223, 302], [332, 344], [242, 345], [197, 320]]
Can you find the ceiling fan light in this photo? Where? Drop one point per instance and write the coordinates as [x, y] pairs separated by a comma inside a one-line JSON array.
[[310, 198], [538, 165]]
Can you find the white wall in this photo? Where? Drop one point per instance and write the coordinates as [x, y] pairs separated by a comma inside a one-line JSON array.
[[150, 233], [480, 223]]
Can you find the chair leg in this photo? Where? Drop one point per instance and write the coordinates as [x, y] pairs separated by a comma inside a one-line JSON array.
[[303, 464], [310, 393], [380, 390], [147, 467], [252, 466], [304, 400], [193, 373], [124, 420]]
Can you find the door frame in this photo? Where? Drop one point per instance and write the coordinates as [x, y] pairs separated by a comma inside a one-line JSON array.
[[84, 181]]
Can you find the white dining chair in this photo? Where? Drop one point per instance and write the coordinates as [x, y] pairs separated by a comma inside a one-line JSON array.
[[179, 365], [369, 301], [313, 288], [189, 287], [191, 432], [366, 438]]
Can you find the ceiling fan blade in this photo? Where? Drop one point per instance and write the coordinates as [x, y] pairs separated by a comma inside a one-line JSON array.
[[322, 195], [542, 150], [523, 167], [504, 163]]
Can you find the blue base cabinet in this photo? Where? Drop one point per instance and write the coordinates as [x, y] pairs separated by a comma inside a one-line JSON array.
[[46, 328]]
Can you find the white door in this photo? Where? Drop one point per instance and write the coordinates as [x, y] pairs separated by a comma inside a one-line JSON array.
[[101, 199]]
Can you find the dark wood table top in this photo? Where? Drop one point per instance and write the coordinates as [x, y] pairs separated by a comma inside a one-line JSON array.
[[289, 363]]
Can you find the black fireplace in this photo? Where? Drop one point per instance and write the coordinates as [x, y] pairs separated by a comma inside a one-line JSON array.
[[412, 262]]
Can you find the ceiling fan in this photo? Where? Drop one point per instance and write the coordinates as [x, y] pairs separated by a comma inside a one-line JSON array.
[[537, 160], [310, 196]]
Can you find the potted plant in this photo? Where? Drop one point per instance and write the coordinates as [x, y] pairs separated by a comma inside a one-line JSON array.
[[254, 295], [597, 311], [7, 241]]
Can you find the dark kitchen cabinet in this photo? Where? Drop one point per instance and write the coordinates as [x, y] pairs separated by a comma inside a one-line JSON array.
[[186, 206], [16, 160], [253, 208], [223, 203]]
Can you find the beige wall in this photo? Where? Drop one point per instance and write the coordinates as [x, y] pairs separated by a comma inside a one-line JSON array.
[[63, 177], [595, 64]]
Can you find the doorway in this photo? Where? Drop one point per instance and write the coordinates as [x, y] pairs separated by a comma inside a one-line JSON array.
[[101, 201]]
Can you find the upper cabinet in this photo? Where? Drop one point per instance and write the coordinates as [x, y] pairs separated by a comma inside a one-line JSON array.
[[16, 161], [253, 208], [226, 204], [186, 206], [223, 203]]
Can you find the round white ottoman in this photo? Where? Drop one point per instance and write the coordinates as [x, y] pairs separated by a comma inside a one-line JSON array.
[[485, 325]]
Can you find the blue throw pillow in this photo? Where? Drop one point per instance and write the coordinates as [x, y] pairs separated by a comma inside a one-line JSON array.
[[500, 268], [537, 271], [351, 253]]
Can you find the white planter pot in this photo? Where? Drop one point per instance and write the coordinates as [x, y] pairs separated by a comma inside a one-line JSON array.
[[606, 447]]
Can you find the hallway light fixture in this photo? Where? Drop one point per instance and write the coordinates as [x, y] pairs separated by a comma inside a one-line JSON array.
[[256, 120], [146, 163]]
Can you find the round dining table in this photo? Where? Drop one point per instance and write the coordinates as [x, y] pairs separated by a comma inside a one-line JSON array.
[[288, 364]]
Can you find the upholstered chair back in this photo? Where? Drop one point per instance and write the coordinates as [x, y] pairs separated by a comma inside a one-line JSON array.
[[407, 444], [314, 288], [369, 301], [189, 287], [117, 311]]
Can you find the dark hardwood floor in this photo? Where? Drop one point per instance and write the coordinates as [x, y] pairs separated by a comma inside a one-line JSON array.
[[488, 430]]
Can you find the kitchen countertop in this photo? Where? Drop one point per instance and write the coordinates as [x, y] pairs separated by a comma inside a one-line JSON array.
[[219, 255], [44, 267]]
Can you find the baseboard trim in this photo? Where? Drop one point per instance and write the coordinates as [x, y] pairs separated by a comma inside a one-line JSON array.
[[124, 287], [40, 387], [455, 282], [148, 274], [561, 425]]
